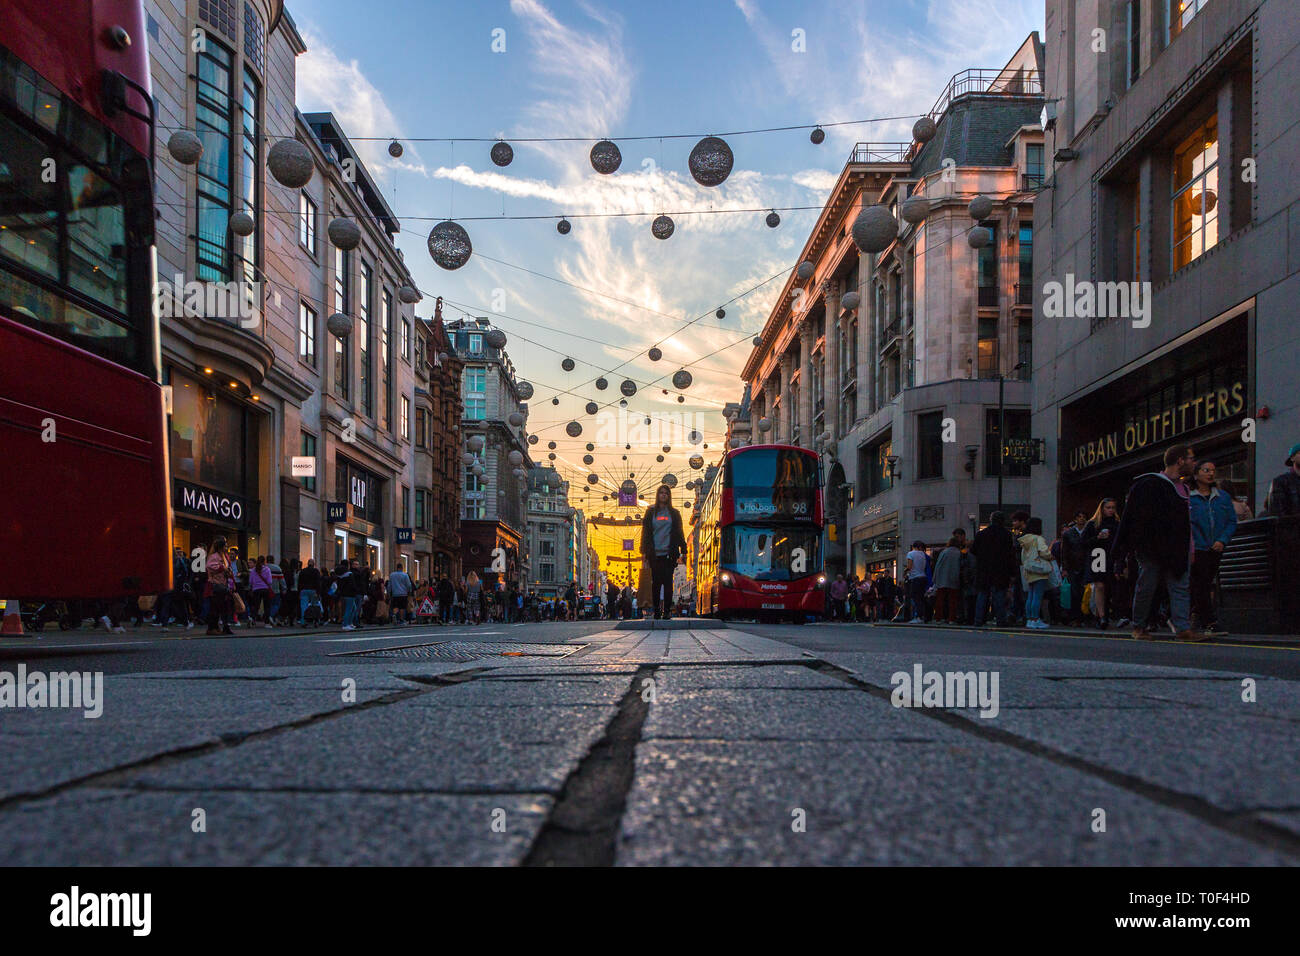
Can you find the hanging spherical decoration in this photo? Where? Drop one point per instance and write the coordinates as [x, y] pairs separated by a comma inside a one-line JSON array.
[[466, 458], [593, 479], [408, 294], [588, 459], [573, 429], [655, 354], [756, 341], [662, 227], [339, 325], [736, 442], [670, 480], [556, 400], [765, 424], [568, 364], [628, 446], [696, 462], [449, 244], [551, 456], [915, 209], [563, 227], [721, 313], [476, 443], [590, 447], [443, 356], [395, 149], [850, 300], [682, 379], [818, 136], [695, 437], [503, 153], [659, 458], [711, 161], [592, 408], [242, 224], [628, 487], [772, 220], [185, 147], [495, 339], [516, 457], [478, 469], [515, 418], [520, 474], [979, 237], [622, 403], [344, 233], [532, 439], [628, 388], [924, 130], [525, 390], [981, 207], [551, 445], [602, 383], [681, 399], [667, 448], [605, 157], [874, 229], [290, 163], [805, 270]]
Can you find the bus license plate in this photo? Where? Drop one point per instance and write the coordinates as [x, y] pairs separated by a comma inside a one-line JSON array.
[[773, 607]]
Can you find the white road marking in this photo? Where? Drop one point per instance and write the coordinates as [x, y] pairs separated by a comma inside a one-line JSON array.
[[392, 637]]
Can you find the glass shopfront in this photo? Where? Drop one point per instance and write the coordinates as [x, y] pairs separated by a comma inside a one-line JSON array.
[[1198, 394], [361, 537]]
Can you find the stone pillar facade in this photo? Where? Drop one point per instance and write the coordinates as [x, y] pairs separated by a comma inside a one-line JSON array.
[[831, 292]]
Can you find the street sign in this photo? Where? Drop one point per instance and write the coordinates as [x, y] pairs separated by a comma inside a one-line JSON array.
[[336, 511], [426, 609], [405, 535], [304, 466]]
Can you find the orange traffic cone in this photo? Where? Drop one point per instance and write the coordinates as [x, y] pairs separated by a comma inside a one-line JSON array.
[[13, 622]]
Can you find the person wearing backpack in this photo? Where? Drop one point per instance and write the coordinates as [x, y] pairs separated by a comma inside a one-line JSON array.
[[1036, 563]]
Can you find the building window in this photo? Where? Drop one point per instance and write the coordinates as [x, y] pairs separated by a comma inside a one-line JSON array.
[[365, 381], [929, 445], [987, 346], [988, 268], [307, 334], [421, 428], [420, 519], [247, 246], [1137, 230], [219, 13], [385, 360], [1196, 194], [548, 548], [1017, 427], [406, 417], [1181, 13], [406, 340], [342, 299], [214, 118], [476, 343], [548, 573], [475, 509], [308, 450], [307, 223], [1034, 165], [1134, 51], [406, 505], [254, 37], [475, 393]]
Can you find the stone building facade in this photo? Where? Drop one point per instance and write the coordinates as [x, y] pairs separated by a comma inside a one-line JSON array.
[[551, 533], [1172, 164], [901, 390], [438, 446]]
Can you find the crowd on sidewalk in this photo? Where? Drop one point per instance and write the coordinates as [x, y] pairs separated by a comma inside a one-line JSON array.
[[1150, 564]]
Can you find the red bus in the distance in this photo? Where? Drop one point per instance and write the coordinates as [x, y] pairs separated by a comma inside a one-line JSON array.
[[84, 509], [759, 532]]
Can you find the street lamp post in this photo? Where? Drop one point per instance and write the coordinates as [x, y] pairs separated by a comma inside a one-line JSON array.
[[1002, 429]]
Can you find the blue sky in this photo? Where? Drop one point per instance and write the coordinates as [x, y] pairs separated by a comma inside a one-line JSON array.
[[590, 69]]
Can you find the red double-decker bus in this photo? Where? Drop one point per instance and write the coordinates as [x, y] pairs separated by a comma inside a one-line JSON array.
[[84, 507], [759, 547]]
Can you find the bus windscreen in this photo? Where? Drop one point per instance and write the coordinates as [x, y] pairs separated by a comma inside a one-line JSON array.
[[773, 482], [771, 554]]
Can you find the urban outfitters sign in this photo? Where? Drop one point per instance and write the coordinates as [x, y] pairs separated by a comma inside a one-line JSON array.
[[1215, 405]]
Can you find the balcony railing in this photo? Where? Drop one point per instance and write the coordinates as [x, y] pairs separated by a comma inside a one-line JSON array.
[[880, 153], [989, 296], [889, 334], [1031, 182], [1024, 293]]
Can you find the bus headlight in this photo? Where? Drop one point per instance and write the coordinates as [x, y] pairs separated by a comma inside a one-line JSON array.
[[726, 578], [821, 580]]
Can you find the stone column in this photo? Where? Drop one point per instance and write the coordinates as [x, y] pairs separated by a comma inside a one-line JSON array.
[[831, 290], [807, 408], [769, 401], [867, 349], [788, 410]]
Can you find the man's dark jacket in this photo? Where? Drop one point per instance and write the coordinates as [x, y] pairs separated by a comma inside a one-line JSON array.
[[676, 540], [1074, 550], [1283, 496], [1156, 524], [995, 557], [309, 579]]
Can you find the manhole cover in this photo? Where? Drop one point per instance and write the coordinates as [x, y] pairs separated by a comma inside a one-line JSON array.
[[471, 651]]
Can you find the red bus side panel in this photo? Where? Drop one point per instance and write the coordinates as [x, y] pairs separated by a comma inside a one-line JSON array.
[[86, 514]]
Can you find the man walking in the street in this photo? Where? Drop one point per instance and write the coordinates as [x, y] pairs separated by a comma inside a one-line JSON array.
[[1156, 526], [308, 589], [399, 596], [1284, 492], [995, 562]]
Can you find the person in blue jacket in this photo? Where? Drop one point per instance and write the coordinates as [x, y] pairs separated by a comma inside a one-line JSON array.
[[1214, 520]]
